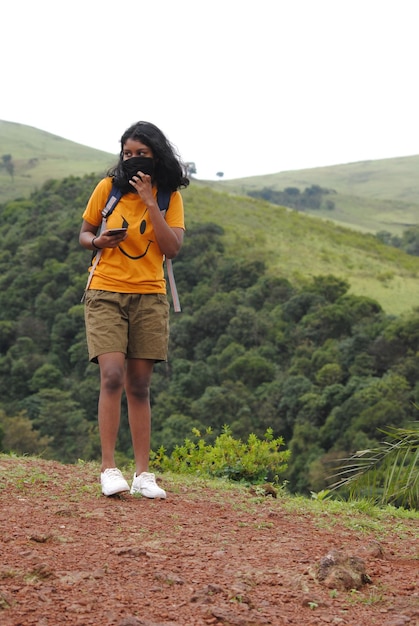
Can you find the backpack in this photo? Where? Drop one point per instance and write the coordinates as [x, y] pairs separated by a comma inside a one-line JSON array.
[[163, 199]]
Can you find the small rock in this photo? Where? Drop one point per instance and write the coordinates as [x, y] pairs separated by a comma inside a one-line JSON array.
[[341, 571]]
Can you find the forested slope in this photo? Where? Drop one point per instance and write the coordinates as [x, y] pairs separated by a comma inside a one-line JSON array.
[[253, 348]]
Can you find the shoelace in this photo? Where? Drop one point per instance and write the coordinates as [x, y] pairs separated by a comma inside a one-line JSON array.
[[149, 478], [113, 473]]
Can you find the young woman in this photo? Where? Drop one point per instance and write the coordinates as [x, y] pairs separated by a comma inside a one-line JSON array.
[[126, 310]]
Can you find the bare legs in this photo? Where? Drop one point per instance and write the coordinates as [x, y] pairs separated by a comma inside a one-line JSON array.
[[135, 375], [137, 387], [109, 408]]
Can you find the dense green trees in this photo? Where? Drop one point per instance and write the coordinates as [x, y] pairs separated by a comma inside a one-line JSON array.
[[324, 368]]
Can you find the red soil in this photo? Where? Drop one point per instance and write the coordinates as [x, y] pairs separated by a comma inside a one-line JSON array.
[[202, 557]]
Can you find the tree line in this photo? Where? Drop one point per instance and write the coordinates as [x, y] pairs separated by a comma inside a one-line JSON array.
[[312, 197], [407, 241], [322, 368]]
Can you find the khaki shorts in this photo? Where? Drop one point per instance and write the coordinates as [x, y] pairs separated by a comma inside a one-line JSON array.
[[132, 323]]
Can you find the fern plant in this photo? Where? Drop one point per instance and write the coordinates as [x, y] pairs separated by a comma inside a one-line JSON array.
[[388, 473]]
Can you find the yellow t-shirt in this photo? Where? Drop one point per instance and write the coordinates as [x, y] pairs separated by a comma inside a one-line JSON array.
[[136, 265]]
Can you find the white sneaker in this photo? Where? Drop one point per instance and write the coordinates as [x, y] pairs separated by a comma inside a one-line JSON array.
[[146, 484], [113, 482]]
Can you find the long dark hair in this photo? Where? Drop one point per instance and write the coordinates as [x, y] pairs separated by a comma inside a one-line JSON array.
[[169, 170]]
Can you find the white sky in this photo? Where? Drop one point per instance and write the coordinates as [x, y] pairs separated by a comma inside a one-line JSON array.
[[239, 86]]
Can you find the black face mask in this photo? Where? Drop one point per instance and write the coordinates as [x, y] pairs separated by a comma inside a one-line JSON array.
[[138, 164]]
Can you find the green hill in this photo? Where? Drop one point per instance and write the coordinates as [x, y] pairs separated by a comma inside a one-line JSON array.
[[38, 156], [369, 195], [298, 246]]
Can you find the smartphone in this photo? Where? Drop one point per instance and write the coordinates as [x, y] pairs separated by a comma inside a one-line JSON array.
[[117, 231]]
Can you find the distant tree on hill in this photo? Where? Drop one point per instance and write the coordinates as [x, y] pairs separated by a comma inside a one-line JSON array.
[[190, 168], [7, 163], [410, 241]]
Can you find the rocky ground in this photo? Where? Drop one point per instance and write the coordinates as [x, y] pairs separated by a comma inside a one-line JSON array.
[[205, 556]]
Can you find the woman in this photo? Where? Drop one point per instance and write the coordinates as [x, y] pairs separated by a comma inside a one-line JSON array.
[[126, 309]]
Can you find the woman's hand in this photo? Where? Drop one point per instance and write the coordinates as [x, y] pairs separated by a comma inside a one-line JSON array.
[[144, 187], [110, 238]]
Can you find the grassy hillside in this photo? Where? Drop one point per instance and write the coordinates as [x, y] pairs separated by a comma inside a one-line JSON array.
[[38, 156], [299, 246], [391, 179], [370, 195]]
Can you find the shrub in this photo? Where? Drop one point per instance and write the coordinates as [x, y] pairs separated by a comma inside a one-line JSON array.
[[254, 461]]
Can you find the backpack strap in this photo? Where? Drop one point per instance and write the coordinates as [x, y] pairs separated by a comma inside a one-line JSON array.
[[163, 200], [113, 199]]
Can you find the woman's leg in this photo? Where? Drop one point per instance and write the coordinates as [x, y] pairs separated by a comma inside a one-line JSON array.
[[112, 368], [137, 386]]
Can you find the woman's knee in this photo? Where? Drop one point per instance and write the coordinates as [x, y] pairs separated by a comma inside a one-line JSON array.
[[112, 379], [138, 388]]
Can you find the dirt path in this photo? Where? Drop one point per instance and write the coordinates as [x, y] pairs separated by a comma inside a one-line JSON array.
[[202, 557]]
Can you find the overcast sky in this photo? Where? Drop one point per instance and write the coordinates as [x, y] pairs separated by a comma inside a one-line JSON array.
[[239, 86]]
